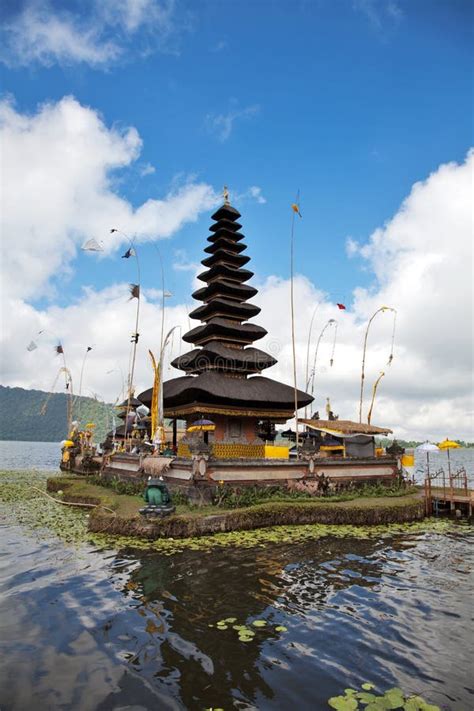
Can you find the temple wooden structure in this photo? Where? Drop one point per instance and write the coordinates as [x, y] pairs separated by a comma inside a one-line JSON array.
[[223, 380]]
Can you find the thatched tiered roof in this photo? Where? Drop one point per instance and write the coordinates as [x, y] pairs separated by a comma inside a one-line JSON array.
[[224, 356]]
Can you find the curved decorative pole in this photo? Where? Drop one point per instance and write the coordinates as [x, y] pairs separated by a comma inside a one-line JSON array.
[[374, 390], [68, 378], [135, 292], [68, 383], [115, 370], [331, 322], [310, 331], [164, 295], [157, 409], [296, 211], [59, 350], [101, 401], [382, 309], [88, 350]]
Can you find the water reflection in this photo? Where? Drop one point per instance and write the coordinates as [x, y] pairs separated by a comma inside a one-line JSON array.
[[87, 631]]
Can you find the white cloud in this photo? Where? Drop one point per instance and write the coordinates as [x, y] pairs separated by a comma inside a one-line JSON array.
[[45, 33], [422, 261], [252, 194], [222, 125], [182, 263], [147, 169], [104, 318], [62, 161], [219, 46], [256, 193], [382, 15]]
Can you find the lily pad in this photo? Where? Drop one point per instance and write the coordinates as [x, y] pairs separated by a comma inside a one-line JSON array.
[[394, 698], [343, 703], [231, 620], [222, 627], [379, 703], [366, 698], [367, 686], [259, 623], [247, 631], [281, 628]]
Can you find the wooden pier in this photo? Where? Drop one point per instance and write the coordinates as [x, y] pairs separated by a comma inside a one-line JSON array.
[[448, 493]]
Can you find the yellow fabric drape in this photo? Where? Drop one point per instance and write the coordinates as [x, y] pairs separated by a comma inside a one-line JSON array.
[[154, 397]]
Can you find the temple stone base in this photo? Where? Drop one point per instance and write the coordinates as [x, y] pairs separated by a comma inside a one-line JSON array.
[[202, 471]]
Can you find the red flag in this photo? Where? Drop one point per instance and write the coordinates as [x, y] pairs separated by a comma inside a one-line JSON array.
[[341, 307]]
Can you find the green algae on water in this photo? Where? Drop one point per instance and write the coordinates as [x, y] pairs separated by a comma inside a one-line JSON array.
[[34, 510]]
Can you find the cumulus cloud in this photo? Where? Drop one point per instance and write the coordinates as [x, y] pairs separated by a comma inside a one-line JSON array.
[[104, 318], [46, 33], [63, 160], [421, 261], [221, 125]]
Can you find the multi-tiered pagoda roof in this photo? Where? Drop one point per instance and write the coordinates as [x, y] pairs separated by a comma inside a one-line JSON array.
[[223, 370]]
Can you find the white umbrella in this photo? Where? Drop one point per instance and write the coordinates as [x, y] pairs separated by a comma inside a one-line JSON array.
[[427, 447]]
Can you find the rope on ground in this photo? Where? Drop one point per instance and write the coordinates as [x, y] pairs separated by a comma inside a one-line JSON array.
[[73, 503]]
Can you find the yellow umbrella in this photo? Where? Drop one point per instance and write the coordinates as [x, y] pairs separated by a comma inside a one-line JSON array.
[[448, 444]]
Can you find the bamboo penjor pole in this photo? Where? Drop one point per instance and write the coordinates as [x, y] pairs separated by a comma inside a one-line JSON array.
[[296, 211], [364, 352]]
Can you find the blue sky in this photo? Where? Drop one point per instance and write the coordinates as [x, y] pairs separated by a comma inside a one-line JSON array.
[[134, 114], [351, 102]]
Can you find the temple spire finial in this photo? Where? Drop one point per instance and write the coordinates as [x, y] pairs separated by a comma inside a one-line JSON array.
[[225, 194]]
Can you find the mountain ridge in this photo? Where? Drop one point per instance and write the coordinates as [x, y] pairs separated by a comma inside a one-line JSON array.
[[21, 418]]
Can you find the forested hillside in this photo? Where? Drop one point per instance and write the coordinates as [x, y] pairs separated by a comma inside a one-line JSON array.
[[20, 417]]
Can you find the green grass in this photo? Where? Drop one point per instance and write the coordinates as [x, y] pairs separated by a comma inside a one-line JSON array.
[[126, 505]]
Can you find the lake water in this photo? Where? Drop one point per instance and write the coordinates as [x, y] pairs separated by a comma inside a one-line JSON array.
[[30, 455], [123, 629]]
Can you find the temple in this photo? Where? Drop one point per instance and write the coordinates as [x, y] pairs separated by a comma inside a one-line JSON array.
[[223, 380], [227, 411]]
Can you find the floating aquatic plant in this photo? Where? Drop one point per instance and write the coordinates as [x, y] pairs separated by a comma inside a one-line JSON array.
[[245, 633], [393, 698], [35, 511]]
